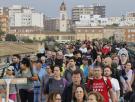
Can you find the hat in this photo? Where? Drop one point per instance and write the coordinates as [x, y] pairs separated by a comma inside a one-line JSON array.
[[11, 68]]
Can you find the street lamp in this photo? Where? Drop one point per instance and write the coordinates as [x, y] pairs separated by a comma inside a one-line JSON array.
[[85, 34]]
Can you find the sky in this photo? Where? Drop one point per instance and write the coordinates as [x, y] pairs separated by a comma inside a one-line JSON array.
[[51, 7]]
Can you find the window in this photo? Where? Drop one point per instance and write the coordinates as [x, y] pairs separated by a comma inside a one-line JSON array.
[[63, 17], [129, 36]]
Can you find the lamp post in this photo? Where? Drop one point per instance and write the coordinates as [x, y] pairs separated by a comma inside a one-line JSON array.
[[85, 34]]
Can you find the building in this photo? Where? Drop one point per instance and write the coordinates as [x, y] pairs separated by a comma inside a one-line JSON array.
[[97, 20], [1, 11], [81, 10], [99, 10], [25, 30], [89, 33], [63, 18], [58, 36], [117, 32], [87, 10], [130, 34], [114, 20], [128, 21], [61, 24], [130, 14], [52, 24], [24, 16], [4, 23], [4, 10], [91, 20]]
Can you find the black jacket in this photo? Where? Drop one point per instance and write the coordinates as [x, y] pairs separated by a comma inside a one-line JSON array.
[[67, 94]]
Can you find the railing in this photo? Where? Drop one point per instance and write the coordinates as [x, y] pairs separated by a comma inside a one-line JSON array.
[[131, 51], [3, 69]]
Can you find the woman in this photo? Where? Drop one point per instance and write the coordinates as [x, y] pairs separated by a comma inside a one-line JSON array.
[[79, 94], [90, 76], [49, 74], [126, 77], [12, 92], [89, 79], [128, 82], [57, 83], [26, 90], [54, 97], [10, 74], [129, 72], [95, 97]]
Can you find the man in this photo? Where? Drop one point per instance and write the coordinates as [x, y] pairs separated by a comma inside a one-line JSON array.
[[49, 60], [43, 62], [57, 83], [107, 61], [37, 84], [83, 48], [101, 84], [114, 82], [85, 67], [71, 66], [16, 63], [69, 90], [59, 60], [49, 74], [78, 57]]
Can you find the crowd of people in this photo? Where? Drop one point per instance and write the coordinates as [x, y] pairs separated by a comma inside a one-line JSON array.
[[87, 71]]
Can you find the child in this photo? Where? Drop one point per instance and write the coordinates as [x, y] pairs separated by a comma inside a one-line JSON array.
[[10, 75]]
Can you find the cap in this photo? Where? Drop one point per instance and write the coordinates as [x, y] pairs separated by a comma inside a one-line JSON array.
[[11, 68]]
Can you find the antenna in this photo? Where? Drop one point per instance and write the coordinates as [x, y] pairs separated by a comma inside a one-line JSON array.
[[98, 3]]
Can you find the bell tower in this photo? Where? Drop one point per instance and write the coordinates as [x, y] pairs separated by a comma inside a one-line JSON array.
[[63, 17]]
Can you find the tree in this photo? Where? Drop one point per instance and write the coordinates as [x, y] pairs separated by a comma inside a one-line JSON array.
[[115, 25], [1, 33], [112, 39], [10, 37]]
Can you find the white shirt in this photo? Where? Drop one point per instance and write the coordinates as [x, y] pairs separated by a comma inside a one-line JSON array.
[[115, 84], [83, 50], [129, 74]]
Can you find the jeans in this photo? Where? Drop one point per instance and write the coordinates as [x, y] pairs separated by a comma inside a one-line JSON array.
[[36, 94]]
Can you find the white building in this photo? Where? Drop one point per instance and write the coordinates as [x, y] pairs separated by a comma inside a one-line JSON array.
[[130, 14], [95, 9], [25, 16], [63, 18], [1, 11], [128, 21], [91, 20], [114, 20], [97, 20], [37, 19]]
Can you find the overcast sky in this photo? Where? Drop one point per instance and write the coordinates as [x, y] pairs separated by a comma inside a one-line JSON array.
[[51, 7]]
